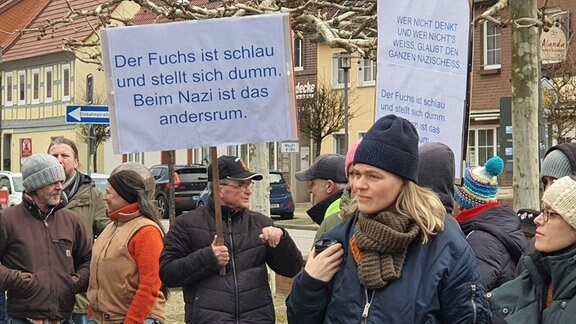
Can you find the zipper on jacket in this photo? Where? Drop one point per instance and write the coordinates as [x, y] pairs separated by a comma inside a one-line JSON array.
[[367, 305], [474, 310], [236, 293]]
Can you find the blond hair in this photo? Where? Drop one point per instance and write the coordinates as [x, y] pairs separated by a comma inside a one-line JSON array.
[[424, 206]]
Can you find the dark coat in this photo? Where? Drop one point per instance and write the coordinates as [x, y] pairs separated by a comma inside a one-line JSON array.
[[243, 294], [523, 299], [439, 284], [498, 242], [45, 260]]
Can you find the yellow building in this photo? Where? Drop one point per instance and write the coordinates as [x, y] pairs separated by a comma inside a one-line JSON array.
[[40, 78], [361, 94]]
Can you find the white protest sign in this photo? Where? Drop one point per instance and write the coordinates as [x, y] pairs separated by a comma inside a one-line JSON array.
[[204, 83], [422, 67]]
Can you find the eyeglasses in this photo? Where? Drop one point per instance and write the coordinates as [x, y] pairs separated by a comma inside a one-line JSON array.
[[547, 214], [241, 185]]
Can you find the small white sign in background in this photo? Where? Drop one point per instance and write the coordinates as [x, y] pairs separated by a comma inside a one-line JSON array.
[[289, 147], [190, 84], [422, 67]]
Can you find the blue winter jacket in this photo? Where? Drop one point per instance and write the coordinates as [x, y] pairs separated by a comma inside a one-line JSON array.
[[439, 284]]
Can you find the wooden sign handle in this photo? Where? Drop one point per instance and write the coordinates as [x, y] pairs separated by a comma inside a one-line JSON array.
[[217, 204]]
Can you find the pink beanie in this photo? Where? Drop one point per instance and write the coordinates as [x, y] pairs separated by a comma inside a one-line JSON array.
[[350, 156]]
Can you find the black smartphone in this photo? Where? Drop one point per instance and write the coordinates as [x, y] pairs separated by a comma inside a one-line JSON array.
[[321, 244]]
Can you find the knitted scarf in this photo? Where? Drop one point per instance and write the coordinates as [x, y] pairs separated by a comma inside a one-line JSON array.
[[383, 241]]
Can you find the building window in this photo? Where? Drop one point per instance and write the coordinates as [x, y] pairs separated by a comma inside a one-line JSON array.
[[482, 145], [65, 82], [35, 86], [339, 144], [338, 75], [298, 54], [492, 46], [48, 84], [9, 90], [21, 87], [367, 73]]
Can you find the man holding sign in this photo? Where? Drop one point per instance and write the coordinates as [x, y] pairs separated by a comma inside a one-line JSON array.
[[192, 259]]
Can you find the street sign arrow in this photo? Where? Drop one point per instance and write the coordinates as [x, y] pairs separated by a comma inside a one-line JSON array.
[[76, 114]]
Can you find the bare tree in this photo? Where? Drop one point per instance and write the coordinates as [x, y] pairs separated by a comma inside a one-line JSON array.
[[323, 114], [559, 100], [349, 25]]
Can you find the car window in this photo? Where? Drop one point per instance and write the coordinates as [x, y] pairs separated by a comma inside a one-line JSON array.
[[100, 184], [276, 178], [192, 174], [5, 182], [18, 186]]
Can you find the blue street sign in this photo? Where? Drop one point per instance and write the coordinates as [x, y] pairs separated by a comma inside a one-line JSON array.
[[87, 114]]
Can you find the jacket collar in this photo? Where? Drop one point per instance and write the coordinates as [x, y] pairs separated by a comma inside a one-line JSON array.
[[468, 214], [317, 211]]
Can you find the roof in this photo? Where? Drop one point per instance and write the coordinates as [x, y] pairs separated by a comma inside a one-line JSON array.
[[15, 15], [32, 44], [144, 16]]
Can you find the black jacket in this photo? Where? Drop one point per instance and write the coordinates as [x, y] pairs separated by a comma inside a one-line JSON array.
[[243, 295], [494, 234]]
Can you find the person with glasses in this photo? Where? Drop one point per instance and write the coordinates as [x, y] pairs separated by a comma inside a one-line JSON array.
[[545, 292], [559, 161], [192, 260]]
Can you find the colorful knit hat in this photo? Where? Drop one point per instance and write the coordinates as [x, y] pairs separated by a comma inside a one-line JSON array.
[[480, 184], [561, 196]]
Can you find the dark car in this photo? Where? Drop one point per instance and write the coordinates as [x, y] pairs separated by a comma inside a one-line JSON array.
[[281, 202], [189, 181]]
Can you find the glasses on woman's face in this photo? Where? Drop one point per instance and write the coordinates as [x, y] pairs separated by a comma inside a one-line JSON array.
[[547, 214], [240, 185]]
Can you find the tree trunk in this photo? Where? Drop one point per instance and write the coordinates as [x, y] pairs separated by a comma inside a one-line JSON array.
[[171, 202], [260, 199], [525, 94]]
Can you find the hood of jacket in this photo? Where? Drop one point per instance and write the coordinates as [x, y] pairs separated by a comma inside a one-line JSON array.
[[436, 171], [500, 222]]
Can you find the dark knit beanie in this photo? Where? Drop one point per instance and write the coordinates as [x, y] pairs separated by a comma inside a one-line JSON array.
[[391, 144], [118, 182]]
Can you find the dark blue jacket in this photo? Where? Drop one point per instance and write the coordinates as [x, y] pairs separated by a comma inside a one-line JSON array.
[[439, 284], [493, 231]]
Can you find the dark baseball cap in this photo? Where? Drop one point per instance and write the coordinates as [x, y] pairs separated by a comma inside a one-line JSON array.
[[327, 167], [233, 167]]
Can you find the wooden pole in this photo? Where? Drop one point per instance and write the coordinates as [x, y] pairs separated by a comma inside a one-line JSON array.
[[217, 204]]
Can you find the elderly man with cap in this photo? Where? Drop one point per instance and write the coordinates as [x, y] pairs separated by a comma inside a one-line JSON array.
[[44, 249], [191, 259], [327, 182]]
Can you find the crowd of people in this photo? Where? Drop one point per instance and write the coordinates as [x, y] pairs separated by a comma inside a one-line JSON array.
[[408, 245]]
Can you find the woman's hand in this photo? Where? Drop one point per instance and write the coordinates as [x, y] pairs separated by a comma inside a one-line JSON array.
[[325, 265]]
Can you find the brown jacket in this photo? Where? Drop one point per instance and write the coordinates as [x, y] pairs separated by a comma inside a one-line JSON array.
[[112, 288], [45, 260]]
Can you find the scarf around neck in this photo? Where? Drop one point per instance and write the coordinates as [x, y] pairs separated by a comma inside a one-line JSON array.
[[383, 241]]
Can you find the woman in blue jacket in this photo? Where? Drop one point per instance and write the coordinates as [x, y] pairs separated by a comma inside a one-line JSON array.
[[400, 260]]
